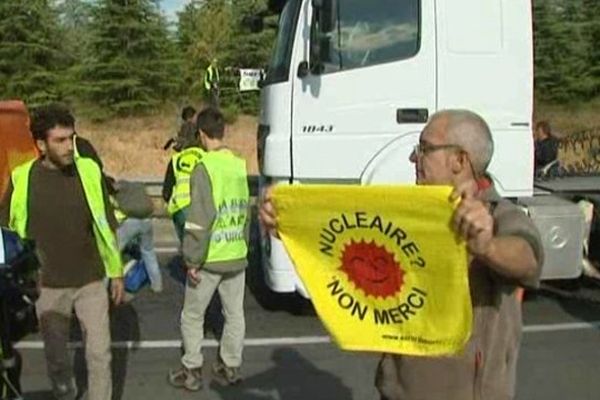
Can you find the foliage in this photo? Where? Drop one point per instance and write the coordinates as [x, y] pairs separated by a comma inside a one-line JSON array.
[[566, 36], [130, 64], [123, 56], [217, 29], [31, 56]]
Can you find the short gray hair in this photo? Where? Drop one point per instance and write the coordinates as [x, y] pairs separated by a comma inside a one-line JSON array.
[[470, 131]]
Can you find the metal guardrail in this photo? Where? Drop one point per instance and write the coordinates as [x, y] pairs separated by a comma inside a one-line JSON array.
[[154, 186]]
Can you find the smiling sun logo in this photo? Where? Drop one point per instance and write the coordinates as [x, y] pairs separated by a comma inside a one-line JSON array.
[[372, 268]]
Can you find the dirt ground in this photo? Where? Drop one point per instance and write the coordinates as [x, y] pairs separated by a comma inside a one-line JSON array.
[[133, 147]]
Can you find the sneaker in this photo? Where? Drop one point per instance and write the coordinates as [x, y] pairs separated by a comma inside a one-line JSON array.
[[226, 375], [156, 289], [64, 390], [189, 379]]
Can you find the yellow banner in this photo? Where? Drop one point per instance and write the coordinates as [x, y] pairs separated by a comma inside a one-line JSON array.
[[383, 268]]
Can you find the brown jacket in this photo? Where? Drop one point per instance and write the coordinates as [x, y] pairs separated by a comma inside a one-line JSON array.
[[486, 370]]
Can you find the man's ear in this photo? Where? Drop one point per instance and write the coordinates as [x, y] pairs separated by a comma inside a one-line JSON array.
[[41, 145], [454, 163], [459, 162]]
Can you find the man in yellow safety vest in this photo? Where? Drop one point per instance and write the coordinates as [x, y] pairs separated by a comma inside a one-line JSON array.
[[211, 82], [176, 185], [60, 201], [215, 246]]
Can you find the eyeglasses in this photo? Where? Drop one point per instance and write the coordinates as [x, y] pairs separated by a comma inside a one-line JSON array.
[[421, 150]]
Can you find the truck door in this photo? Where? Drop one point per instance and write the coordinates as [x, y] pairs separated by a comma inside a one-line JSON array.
[[376, 85]]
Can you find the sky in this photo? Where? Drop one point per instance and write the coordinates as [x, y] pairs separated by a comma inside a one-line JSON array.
[[171, 7]]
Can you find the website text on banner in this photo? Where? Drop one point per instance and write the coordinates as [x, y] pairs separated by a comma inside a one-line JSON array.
[[381, 263]]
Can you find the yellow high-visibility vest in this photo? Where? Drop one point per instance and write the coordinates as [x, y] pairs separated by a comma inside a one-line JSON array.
[[211, 76], [183, 164], [229, 184], [91, 180]]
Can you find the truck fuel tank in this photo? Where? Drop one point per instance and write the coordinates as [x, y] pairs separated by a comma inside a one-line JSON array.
[[562, 227]]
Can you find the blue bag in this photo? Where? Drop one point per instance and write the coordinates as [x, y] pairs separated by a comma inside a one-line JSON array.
[[136, 277]]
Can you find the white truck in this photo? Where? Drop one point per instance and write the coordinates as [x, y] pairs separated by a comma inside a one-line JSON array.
[[351, 84]]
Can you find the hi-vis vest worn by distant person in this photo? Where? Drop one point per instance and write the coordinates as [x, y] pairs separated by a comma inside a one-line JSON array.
[[91, 180], [211, 77], [229, 185], [183, 163]]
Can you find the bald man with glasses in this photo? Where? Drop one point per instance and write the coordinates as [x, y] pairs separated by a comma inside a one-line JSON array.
[[505, 251]]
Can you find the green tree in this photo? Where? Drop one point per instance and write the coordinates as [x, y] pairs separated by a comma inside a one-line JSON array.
[[131, 65], [565, 49], [592, 34], [31, 55], [205, 31], [75, 16], [220, 29]]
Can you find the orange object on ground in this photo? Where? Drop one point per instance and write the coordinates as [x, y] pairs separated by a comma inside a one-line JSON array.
[[16, 143]]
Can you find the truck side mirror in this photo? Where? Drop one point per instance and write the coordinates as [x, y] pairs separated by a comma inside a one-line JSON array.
[[321, 29], [323, 10]]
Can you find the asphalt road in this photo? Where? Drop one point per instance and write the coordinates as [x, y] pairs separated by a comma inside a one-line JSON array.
[[289, 356]]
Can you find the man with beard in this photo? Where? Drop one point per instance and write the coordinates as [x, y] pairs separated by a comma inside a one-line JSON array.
[[60, 202]]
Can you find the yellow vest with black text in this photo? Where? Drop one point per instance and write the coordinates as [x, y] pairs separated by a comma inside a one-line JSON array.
[[183, 164], [229, 184], [91, 181]]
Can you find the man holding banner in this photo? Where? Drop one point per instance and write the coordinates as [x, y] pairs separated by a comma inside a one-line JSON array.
[[504, 251]]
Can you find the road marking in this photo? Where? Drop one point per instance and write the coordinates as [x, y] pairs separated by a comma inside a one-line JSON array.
[[572, 326], [166, 250], [301, 340], [173, 344]]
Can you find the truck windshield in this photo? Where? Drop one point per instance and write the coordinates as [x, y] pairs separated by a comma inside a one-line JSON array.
[[279, 67], [372, 32]]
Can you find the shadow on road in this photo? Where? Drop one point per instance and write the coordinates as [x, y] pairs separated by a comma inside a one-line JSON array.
[[292, 377], [578, 297], [124, 328], [176, 269], [39, 395]]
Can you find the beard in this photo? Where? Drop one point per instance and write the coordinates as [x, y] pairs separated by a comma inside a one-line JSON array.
[[63, 162]]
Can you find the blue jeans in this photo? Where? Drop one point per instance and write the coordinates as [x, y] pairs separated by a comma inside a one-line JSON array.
[[141, 229]]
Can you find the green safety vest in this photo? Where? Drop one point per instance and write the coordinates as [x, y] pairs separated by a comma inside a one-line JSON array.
[[211, 76], [183, 164], [229, 185], [91, 180], [120, 216]]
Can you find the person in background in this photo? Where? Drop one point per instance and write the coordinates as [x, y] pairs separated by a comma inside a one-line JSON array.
[[211, 82], [187, 130], [215, 247], [546, 145], [176, 184], [133, 211], [60, 201]]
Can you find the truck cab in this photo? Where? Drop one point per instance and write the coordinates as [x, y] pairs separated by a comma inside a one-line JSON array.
[[351, 84]]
